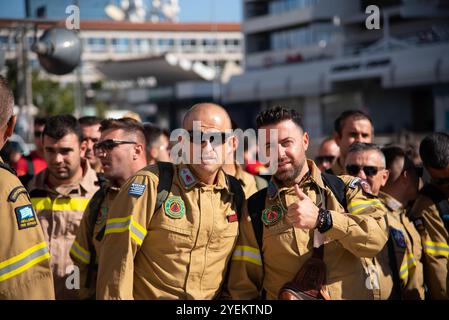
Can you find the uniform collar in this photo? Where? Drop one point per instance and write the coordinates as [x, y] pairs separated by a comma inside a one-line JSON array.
[[390, 202], [87, 182], [189, 180], [312, 176]]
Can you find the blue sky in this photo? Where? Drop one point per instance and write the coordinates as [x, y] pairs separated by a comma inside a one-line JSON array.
[[191, 10]]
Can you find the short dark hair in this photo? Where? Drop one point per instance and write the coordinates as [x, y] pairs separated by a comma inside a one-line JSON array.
[[6, 102], [153, 133], [356, 114], [40, 121], [278, 114], [434, 150], [363, 146], [128, 125], [89, 121], [59, 126], [393, 154]]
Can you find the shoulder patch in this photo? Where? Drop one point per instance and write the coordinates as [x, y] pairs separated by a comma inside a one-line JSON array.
[[354, 182], [26, 217], [136, 189], [398, 237], [16, 192], [187, 177]]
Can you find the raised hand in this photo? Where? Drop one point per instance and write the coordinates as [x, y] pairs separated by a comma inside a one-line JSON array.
[[302, 214]]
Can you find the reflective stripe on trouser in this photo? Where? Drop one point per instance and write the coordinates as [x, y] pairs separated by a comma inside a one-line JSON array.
[[249, 254], [119, 225], [407, 267], [23, 261]]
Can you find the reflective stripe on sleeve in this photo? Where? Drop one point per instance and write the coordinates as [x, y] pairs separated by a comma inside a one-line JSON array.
[[355, 207], [80, 253], [436, 248], [249, 254], [119, 225]]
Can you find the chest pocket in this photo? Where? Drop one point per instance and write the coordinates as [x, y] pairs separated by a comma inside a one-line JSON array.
[[224, 234]]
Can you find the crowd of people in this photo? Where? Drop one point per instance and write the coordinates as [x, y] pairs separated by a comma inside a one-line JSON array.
[[98, 210]]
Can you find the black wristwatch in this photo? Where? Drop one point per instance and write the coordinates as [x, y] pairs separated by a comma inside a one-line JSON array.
[[324, 220]]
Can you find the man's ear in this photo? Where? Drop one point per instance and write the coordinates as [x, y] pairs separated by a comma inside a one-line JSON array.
[[10, 127], [336, 137], [385, 175], [305, 141], [83, 148]]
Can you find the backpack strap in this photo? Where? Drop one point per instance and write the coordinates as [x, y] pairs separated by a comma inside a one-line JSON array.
[[393, 263], [337, 187], [256, 204], [94, 209], [166, 172], [7, 168], [239, 196], [440, 200], [30, 166]]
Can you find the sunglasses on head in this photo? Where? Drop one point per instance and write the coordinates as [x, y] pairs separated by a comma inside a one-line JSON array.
[[370, 171], [109, 144], [202, 137], [321, 159]]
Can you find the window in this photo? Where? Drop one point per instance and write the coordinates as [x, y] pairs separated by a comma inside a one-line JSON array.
[[120, 45], [96, 44]]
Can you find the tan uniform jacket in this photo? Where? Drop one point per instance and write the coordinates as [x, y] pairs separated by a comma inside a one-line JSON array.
[[60, 212], [408, 250], [362, 233], [86, 237], [24, 256], [178, 252], [248, 181], [435, 241], [338, 169]]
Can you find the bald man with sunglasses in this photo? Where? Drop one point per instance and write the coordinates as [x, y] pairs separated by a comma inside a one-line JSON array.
[[180, 248], [121, 150], [395, 265]]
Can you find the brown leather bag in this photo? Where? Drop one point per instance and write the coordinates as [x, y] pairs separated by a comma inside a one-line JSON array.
[[309, 282]]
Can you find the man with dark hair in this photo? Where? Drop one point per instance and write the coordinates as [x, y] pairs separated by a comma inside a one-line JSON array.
[[302, 208], [157, 148], [400, 190], [351, 126], [33, 163], [121, 150], [395, 264], [90, 126], [328, 153], [60, 194], [24, 258], [430, 214]]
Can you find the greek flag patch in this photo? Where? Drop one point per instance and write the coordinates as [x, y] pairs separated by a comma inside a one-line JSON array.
[[26, 218], [136, 189]]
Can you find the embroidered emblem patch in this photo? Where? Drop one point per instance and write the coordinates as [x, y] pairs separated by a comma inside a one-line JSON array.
[[174, 207], [26, 217], [187, 177], [354, 182], [398, 237], [272, 215], [136, 189], [102, 215], [272, 190], [232, 217]]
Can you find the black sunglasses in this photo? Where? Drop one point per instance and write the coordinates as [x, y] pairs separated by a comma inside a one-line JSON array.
[[207, 136], [321, 159], [370, 171], [38, 134], [109, 144]]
